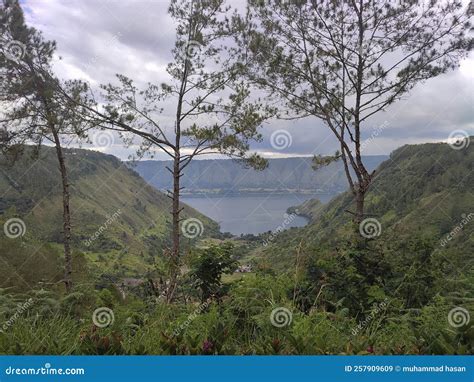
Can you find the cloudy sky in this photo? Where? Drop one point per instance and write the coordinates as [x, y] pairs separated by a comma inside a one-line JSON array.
[[99, 38]]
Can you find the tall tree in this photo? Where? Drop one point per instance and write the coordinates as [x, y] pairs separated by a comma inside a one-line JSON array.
[[34, 110], [212, 107], [345, 61]]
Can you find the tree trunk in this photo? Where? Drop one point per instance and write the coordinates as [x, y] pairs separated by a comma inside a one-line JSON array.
[[66, 214], [360, 199], [174, 263], [359, 227]]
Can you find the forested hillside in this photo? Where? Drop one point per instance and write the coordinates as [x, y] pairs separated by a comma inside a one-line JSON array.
[[120, 223], [420, 191]]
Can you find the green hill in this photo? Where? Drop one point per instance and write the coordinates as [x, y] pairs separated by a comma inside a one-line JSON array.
[[120, 223], [424, 190]]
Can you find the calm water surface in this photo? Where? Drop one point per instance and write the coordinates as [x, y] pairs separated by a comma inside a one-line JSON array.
[[244, 213]]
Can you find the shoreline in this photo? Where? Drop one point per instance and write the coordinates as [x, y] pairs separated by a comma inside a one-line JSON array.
[[229, 193]]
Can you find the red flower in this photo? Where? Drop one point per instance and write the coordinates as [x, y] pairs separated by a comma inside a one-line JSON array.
[[207, 346]]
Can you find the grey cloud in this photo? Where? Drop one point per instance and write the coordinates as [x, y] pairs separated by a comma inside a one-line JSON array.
[[98, 39]]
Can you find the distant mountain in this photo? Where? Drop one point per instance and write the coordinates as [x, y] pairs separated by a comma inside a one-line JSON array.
[[119, 221], [221, 175], [420, 191]]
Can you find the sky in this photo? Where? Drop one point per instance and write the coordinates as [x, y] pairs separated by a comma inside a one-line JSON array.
[[98, 38]]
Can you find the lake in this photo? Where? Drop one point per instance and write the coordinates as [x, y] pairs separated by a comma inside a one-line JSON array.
[[252, 213]]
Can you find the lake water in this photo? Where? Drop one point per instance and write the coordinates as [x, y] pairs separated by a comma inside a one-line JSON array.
[[250, 213]]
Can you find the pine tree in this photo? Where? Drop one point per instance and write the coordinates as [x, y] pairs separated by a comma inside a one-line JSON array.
[[35, 108], [345, 61], [213, 109]]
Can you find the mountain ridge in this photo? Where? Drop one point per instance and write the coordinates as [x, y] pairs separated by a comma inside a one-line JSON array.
[[225, 175], [424, 188], [118, 219]]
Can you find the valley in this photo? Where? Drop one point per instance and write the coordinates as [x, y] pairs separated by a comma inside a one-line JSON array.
[[221, 178], [122, 230]]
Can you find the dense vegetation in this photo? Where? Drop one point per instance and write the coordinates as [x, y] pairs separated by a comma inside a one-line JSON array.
[[313, 289], [238, 324]]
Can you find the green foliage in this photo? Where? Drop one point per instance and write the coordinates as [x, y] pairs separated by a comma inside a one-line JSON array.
[[320, 161], [208, 266], [240, 323], [27, 264]]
